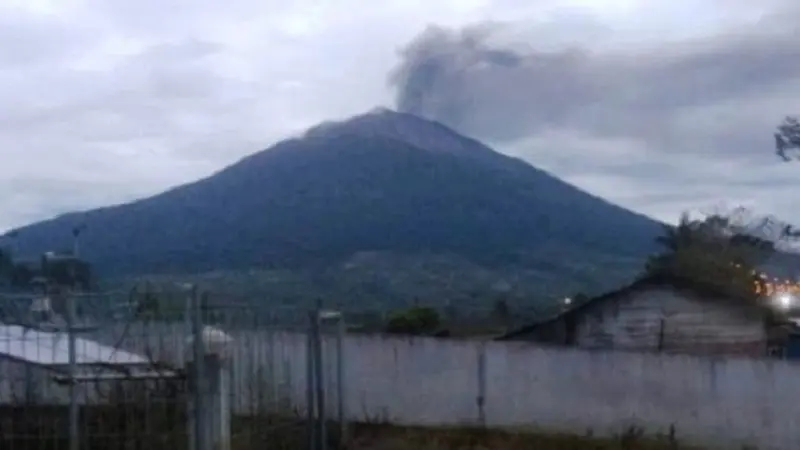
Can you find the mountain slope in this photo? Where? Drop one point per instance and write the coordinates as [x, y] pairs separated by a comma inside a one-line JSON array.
[[383, 181]]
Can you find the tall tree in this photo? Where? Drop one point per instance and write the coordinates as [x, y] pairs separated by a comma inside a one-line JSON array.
[[715, 250], [6, 265], [677, 237]]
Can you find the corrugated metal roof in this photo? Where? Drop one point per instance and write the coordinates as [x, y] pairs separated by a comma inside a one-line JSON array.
[[52, 349]]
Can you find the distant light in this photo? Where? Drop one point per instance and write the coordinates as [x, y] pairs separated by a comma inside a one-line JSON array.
[[784, 300], [567, 301]]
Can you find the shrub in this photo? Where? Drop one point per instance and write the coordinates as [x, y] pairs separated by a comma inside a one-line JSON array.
[[414, 321]]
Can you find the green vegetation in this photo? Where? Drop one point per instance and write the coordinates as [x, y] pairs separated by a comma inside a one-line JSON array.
[[59, 269], [6, 264], [713, 251], [386, 437], [67, 271], [289, 434], [418, 320], [380, 291], [374, 284]]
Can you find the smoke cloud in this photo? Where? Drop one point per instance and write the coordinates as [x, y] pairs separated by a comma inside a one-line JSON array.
[[659, 127], [468, 80]]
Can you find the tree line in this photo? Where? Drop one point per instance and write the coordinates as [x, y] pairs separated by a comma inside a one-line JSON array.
[[48, 269]]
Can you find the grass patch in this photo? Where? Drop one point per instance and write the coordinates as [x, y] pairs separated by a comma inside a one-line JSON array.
[[118, 426], [387, 437], [253, 433]]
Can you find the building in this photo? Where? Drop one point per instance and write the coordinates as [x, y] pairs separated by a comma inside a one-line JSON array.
[[662, 315]]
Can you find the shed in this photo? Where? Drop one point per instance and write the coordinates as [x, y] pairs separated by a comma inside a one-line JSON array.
[[664, 314]]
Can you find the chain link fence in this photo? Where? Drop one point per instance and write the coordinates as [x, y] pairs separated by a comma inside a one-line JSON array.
[[174, 370]]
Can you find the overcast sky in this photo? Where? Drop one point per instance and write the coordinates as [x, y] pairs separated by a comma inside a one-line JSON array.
[[659, 105]]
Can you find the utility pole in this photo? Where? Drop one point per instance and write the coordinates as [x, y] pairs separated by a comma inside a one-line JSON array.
[[74, 410], [76, 234], [73, 389]]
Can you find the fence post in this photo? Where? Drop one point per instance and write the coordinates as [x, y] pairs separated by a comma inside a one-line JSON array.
[[74, 438], [218, 410], [341, 404], [210, 395], [311, 401], [319, 382], [336, 368], [198, 424], [481, 398]]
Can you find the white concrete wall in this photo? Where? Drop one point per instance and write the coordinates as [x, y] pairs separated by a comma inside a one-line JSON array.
[[725, 401], [435, 382]]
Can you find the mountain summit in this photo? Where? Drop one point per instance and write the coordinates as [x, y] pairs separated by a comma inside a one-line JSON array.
[[411, 129], [378, 182]]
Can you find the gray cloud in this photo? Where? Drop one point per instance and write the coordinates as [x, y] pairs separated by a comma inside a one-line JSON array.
[[108, 101], [461, 78], [40, 39], [691, 118], [105, 102]]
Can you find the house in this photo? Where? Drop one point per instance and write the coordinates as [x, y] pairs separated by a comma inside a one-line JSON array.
[[664, 314]]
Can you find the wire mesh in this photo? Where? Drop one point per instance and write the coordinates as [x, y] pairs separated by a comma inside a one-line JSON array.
[[272, 378], [129, 392], [265, 349], [268, 355], [133, 386]]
